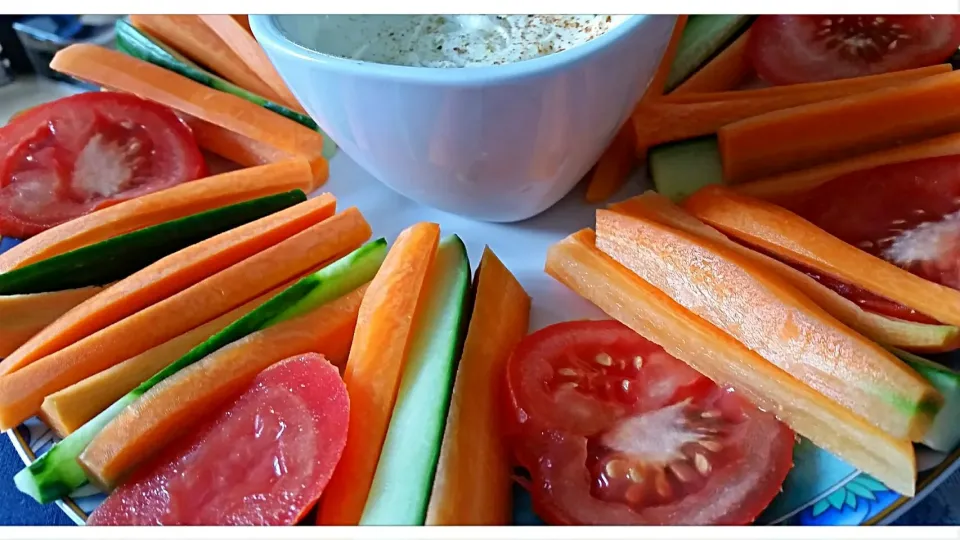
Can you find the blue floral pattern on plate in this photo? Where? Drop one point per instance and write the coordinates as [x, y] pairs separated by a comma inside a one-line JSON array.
[[820, 490]]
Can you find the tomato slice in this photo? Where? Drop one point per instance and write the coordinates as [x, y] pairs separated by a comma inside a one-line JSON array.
[[790, 49], [905, 213], [263, 460], [69, 157], [615, 431]]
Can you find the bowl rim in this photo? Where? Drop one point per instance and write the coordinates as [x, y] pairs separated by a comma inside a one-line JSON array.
[[267, 32]]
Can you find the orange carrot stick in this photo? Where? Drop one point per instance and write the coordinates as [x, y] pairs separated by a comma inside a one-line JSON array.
[[770, 317], [169, 276], [787, 235], [781, 188], [245, 46], [374, 367], [473, 482], [663, 120], [578, 264], [726, 71], [68, 409], [24, 315], [179, 402], [894, 332], [22, 391], [176, 202], [797, 138], [123, 73], [611, 172], [200, 43]]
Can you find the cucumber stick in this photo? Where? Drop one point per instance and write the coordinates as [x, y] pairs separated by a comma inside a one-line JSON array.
[[404, 478], [56, 474], [118, 257], [139, 44], [681, 168], [944, 434], [703, 37]]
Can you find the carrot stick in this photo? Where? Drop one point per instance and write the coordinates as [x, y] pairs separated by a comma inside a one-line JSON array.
[[244, 21], [894, 332], [794, 139], [770, 317], [68, 409], [179, 201], [169, 276], [664, 121], [726, 71], [245, 46], [611, 172], [473, 482], [579, 265], [24, 315], [248, 152], [818, 91], [374, 367], [781, 187], [184, 399], [787, 235], [22, 392], [200, 43], [123, 73]]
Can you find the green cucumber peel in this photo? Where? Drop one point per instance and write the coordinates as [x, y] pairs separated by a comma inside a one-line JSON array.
[[140, 44], [57, 473], [703, 37], [681, 168], [400, 492], [121, 256], [943, 434]]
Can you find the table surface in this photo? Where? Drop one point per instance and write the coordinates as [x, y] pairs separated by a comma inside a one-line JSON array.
[[942, 507]]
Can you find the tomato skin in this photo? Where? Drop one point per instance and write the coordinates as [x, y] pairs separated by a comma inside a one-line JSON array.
[[752, 455], [793, 49], [66, 158]]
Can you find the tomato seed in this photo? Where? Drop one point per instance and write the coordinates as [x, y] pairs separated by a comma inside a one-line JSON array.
[[663, 485], [604, 359], [567, 372], [634, 475], [638, 362], [701, 463], [712, 446], [625, 384], [681, 472], [710, 414]]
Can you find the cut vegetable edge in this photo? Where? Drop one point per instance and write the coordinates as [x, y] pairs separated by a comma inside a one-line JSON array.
[[703, 37], [724, 72], [56, 474], [783, 326], [472, 485], [118, 257], [788, 236], [179, 201], [404, 478], [681, 168], [944, 433], [579, 265], [374, 368]]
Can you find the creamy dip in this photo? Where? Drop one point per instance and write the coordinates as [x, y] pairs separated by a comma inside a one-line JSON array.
[[450, 41]]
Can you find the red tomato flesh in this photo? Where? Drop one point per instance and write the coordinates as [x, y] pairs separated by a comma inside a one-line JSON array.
[[263, 460], [615, 431], [906, 213], [791, 49], [69, 157]]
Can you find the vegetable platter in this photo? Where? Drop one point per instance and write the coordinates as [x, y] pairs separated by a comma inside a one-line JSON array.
[[470, 373]]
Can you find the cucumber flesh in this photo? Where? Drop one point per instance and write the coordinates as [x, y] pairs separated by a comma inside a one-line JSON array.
[[681, 168], [703, 37], [118, 257], [56, 474], [944, 433], [139, 44], [404, 478]]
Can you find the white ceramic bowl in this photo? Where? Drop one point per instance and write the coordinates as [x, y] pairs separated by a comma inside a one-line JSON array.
[[500, 143]]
